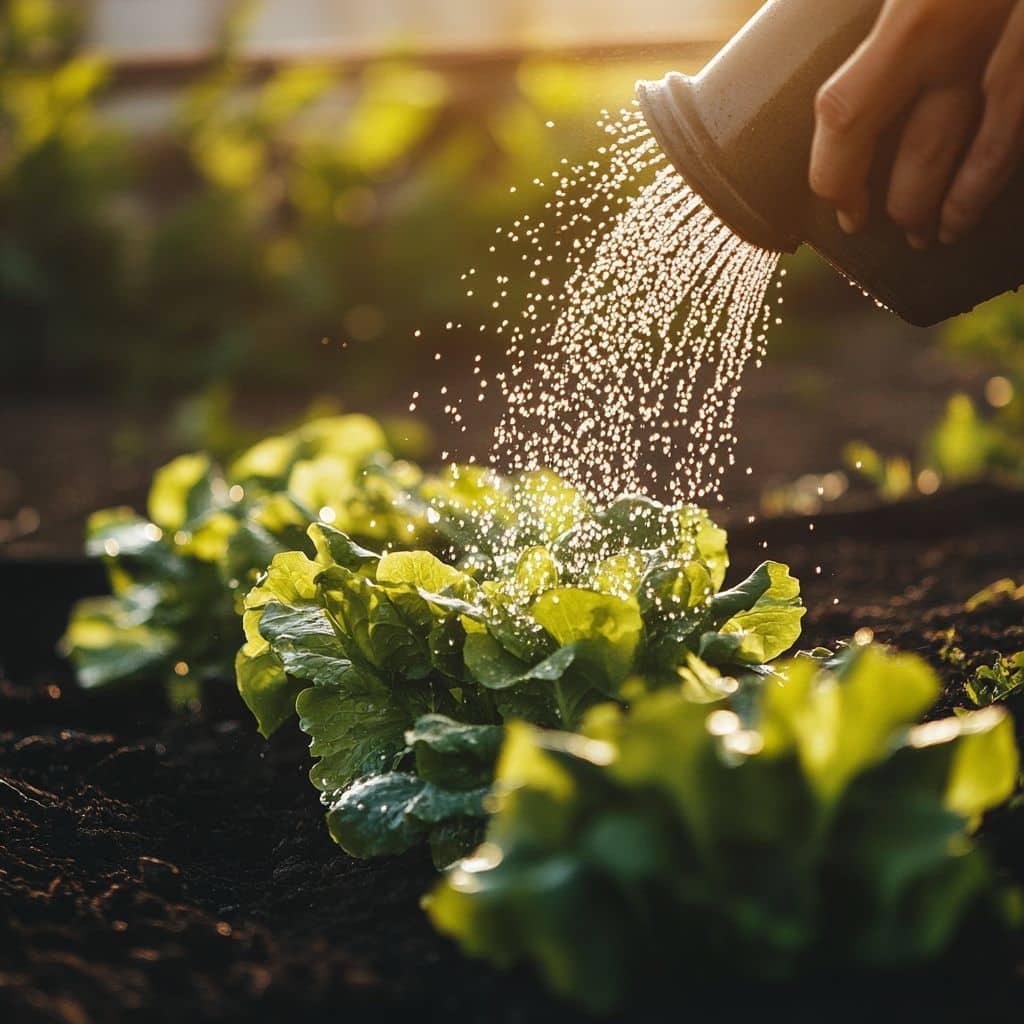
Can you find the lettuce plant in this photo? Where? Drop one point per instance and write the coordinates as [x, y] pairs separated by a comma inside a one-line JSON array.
[[809, 824], [179, 575], [404, 668], [999, 682]]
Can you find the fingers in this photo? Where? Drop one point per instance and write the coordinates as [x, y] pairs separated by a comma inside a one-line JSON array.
[[996, 151], [852, 109], [934, 140]]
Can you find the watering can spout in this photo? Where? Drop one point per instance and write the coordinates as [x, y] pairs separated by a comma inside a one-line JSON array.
[[740, 135], [673, 116]]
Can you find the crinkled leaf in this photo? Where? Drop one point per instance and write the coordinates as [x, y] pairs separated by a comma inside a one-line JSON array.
[[711, 542], [386, 629], [306, 644], [519, 634], [546, 505], [443, 736], [421, 570], [536, 571], [371, 819], [771, 625], [620, 574], [211, 538], [673, 602], [673, 589], [356, 729], [493, 667], [672, 532], [726, 649], [447, 645], [290, 580]]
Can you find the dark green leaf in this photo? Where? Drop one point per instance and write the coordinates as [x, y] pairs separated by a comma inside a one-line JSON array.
[[356, 729], [452, 754], [387, 814], [306, 644]]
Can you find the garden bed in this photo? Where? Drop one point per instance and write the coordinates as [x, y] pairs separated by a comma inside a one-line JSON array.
[[161, 868]]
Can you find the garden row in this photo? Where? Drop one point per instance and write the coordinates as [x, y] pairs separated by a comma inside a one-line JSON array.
[[595, 737]]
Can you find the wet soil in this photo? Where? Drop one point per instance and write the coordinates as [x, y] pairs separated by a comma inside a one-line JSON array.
[[176, 868]]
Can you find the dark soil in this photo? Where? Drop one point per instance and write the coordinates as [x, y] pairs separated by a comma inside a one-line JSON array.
[[155, 868]]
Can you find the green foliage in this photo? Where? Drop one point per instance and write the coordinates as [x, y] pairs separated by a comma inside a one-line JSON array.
[[965, 445], [992, 334], [262, 213], [962, 447], [550, 609], [442, 800], [892, 477], [664, 793], [178, 577], [814, 826], [62, 266], [999, 682]]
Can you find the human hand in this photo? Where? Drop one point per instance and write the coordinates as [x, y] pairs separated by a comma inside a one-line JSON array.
[[955, 69]]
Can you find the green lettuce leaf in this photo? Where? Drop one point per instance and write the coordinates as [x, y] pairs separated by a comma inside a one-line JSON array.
[[109, 641], [388, 814], [211, 534], [266, 689], [453, 754], [755, 622], [357, 729]]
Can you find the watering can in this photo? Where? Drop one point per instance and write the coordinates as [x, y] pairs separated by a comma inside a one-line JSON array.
[[740, 134]]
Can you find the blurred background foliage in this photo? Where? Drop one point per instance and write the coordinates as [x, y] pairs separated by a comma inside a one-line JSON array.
[[291, 225], [270, 217], [974, 439]]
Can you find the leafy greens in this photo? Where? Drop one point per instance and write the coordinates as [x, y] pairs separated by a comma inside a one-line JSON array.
[[178, 576], [383, 655], [815, 825]]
